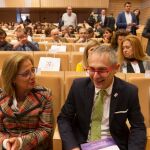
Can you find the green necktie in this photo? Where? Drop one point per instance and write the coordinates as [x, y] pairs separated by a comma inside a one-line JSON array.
[[97, 115]]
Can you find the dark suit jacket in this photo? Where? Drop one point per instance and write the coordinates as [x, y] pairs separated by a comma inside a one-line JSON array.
[[33, 121], [131, 70], [122, 23], [74, 119], [146, 34], [99, 19]]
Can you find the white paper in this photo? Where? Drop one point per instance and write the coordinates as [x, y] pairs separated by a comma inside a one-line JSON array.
[[81, 49], [58, 48], [114, 147], [49, 64]]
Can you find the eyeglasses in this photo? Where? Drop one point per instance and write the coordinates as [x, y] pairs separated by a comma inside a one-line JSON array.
[[28, 73], [103, 71]]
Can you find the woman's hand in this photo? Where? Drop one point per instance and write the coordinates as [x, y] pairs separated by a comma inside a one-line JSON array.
[[13, 144]]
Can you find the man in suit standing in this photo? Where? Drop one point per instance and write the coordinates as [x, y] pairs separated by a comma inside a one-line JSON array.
[[102, 18], [127, 20], [119, 104], [146, 34]]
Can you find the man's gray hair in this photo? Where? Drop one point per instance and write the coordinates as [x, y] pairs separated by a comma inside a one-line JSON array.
[[104, 48]]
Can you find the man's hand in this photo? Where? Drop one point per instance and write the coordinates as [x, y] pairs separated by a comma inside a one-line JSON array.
[[77, 148]]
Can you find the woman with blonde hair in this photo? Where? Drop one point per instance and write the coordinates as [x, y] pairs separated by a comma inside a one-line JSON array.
[[26, 119], [89, 47], [131, 55]]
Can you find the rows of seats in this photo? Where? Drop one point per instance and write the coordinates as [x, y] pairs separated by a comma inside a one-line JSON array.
[[60, 83], [68, 60], [138, 79]]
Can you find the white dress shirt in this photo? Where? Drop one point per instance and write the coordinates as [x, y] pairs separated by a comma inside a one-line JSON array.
[[105, 132]]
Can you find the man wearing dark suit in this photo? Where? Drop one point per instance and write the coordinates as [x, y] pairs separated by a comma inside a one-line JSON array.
[[146, 34], [127, 20], [102, 18], [120, 103]]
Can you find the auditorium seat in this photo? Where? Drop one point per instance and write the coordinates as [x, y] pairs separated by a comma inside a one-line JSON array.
[[75, 58], [5, 54], [56, 84], [64, 58]]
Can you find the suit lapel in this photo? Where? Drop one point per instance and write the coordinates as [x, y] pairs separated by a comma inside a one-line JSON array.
[[89, 96], [114, 98], [5, 104], [31, 102], [124, 17]]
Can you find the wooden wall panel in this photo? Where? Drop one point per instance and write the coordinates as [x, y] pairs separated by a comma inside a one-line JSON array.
[[74, 3], [145, 11], [19, 3]]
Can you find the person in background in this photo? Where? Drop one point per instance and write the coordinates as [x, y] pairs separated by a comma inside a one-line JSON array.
[[64, 32], [102, 18], [55, 38], [27, 20], [91, 19], [71, 31], [127, 20], [137, 15], [131, 55], [69, 18], [90, 33], [4, 45], [88, 49], [47, 32], [107, 36], [86, 118], [111, 22], [38, 29], [98, 30], [82, 36], [29, 33], [26, 113], [118, 37], [146, 34], [23, 43]]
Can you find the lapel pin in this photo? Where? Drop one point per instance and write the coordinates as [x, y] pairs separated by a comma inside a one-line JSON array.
[[116, 94]]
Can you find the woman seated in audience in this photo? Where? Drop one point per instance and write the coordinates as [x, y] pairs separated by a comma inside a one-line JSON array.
[[26, 119], [131, 55], [107, 36], [118, 37], [29, 33], [23, 43], [4, 45], [88, 49]]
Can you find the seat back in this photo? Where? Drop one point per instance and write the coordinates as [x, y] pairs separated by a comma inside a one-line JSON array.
[[69, 77], [56, 84], [143, 85], [64, 58], [75, 58]]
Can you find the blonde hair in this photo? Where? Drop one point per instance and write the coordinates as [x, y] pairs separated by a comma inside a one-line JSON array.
[[138, 52], [90, 44], [10, 69]]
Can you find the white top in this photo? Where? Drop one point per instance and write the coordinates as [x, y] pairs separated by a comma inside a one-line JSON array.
[[105, 132], [128, 17], [135, 67], [103, 19], [69, 20]]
